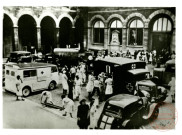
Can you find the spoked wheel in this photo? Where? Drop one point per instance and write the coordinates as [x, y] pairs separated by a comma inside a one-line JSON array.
[[26, 91], [52, 85]]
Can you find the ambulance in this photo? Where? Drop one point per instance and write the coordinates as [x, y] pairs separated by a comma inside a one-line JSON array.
[[35, 77]]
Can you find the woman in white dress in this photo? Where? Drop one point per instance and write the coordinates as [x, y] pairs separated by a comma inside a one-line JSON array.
[[109, 89], [150, 58], [19, 93], [77, 90], [65, 83], [93, 116], [90, 85], [172, 89]]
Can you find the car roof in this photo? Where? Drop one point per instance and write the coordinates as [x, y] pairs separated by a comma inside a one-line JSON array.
[[171, 61], [123, 100], [138, 71], [120, 60], [30, 65], [146, 82], [20, 52]]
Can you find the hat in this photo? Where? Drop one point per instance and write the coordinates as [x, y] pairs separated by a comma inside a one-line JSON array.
[[83, 100]]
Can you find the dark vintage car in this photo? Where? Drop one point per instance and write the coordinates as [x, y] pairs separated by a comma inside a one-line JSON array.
[[19, 56], [127, 73], [126, 111], [165, 73]]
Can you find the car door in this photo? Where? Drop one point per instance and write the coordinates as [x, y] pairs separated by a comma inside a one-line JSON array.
[[42, 76]]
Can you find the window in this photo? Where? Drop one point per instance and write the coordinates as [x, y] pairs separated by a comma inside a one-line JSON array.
[[29, 73], [136, 32], [12, 73], [98, 32], [7, 72], [108, 69], [162, 25], [53, 69], [116, 25]]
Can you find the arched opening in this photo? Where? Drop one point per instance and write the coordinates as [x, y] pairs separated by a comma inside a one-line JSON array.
[[79, 33], [27, 33], [8, 36], [161, 28], [135, 32], [48, 37], [98, 32], [116, 25], [65, 29]]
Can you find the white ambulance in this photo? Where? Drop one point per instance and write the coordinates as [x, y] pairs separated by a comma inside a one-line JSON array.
[[35, 77]]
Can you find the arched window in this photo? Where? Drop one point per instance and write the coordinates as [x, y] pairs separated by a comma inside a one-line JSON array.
[[162, 25], [98, 32], [116, 25], [136, 32]]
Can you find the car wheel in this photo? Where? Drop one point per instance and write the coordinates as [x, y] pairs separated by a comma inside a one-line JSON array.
[[26, 91], [52, 85]]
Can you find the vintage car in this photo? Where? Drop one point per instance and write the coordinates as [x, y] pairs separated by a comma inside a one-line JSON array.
[[125, 111], [165, 73], [19, 56], [127, 73], [149, 89]]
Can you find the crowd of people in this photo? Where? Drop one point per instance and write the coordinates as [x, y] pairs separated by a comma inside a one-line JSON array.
[[73, 79], [98, 88], [151, 57]]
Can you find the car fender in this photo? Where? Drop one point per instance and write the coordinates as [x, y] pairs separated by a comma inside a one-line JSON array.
[[152, 108], [125, 123]]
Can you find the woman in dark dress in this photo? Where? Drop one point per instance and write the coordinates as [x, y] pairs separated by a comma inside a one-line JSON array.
[[83, 115]]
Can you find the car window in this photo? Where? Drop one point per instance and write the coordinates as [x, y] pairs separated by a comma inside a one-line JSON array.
[[7, 72], [29, 73], [12, 73], [170, 68], [53, 69]]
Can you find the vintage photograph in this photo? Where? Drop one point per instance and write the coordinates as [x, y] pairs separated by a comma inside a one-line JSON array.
[[86, 67]]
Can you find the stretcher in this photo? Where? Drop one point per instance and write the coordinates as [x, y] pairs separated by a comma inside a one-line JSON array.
[[53, 106]]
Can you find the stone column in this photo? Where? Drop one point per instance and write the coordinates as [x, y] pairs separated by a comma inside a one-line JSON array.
[[16, 38], [145, 38], [89, 37], [124, 38], [106, 38], [173, 41], [85, 40], [38, 39], [57, 37]]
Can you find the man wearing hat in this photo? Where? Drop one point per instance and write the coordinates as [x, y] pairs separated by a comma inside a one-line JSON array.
[[83, 115]]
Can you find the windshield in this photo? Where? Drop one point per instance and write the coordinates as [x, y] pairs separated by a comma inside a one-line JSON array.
[[138, 77], [114, 111]]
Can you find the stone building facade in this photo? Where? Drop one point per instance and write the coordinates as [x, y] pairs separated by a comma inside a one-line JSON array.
[[46, 28]]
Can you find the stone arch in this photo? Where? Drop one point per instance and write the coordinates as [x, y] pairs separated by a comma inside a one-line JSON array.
[[67, 16], [97, 17], [27, 12], [13, 19], [142, 17], [162, 11], [50, 15], [75, 19], [115, 16]]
